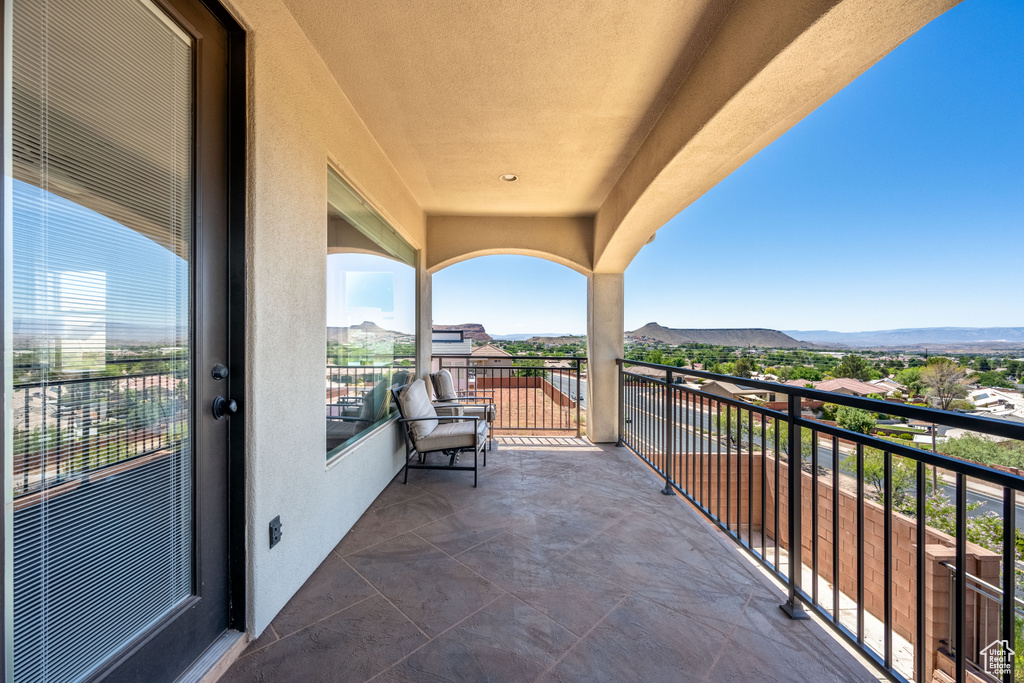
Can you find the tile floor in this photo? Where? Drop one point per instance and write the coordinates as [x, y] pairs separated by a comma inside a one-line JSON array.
[[565, 564]]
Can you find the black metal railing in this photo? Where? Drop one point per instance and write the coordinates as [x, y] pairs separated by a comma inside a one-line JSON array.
[[67, 427], [532, 395], [984, 607], [873, 527]]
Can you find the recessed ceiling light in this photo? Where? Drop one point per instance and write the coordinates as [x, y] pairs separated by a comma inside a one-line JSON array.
[[509, 177]]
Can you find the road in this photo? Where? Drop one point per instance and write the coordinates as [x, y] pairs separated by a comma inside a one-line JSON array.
[[566, 383], [637, 401]]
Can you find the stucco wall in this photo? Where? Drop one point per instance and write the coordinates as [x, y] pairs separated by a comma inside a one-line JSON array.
[[299, 122], [605, 306]]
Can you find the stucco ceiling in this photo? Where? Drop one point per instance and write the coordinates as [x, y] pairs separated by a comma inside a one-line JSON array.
[[457, 92]]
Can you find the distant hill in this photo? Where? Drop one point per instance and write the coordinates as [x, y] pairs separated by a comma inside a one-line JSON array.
[[473, 331], [914, 336], [770, 339], [530, 335], [363, 331], [558, 340]]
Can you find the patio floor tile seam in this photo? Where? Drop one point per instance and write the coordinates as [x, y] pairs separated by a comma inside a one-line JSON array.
[[439, 634], [280, 639], [406, 499], [456, 555], [387, 599], [391, 538], [498, 586], [632, 591], [726, 541], [729, 637], [583, 637]]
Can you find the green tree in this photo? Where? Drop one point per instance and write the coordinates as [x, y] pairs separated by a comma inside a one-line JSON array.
[[981, 450], [804, 372], [655, 356], [853, 366], [854, 419], [781, 428], [743, 367], [904, 476], [992, 379], [946, 381], [911, 379], [530, 367]]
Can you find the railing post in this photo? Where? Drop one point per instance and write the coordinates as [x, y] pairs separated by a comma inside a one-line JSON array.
[[622, 398], [579, 396], [792, 606], [669, 432], [1009, 617]]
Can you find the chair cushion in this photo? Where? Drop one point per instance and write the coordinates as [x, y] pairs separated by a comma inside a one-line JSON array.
[[374, 402], [444, 387], [463, 434], [415, 402]]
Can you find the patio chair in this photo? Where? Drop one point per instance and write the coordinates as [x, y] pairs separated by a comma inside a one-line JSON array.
[[471, 404], [427, 432]]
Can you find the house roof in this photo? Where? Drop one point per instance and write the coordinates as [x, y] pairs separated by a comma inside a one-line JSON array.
[[490, 350], [647, 372], [852, 385], [887, 382], [737, 389]]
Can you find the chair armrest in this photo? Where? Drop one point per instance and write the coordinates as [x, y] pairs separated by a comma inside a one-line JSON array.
[[482, 391], [459, 401], [451, 418]]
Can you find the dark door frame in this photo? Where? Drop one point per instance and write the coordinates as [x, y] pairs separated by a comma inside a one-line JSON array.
[[237, 202]]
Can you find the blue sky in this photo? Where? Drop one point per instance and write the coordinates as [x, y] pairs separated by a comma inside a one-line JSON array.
[[897, 203]]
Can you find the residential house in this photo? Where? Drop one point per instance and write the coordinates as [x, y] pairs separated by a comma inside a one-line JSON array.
[[887, 386], [490, 356], [450, 343], [840, 385], [741, 393]]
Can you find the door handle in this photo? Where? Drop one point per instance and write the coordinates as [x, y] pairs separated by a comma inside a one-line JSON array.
[[223, 406]]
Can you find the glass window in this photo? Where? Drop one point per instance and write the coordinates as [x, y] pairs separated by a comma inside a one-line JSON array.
[[100, 269], [371, 315]]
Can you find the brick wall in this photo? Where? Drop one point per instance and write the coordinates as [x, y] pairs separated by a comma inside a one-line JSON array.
[[549, 389]]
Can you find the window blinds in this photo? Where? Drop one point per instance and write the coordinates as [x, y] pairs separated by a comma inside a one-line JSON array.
[[102, 222]]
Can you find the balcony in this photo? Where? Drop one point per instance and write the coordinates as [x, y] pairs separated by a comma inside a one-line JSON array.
[[312, 127], [566, 564]]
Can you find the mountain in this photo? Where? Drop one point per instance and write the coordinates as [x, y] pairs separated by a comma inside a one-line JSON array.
[[559, 340], [362, 332], [473, 331], [771, 339], [530, 336], [913, 336]]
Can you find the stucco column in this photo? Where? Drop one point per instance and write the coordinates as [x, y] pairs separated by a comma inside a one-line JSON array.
[[424, 318], [604, 345]]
